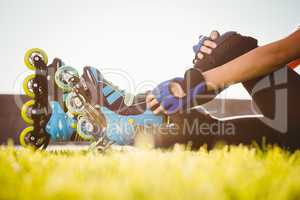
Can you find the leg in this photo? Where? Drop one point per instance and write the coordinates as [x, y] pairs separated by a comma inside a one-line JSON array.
[[198, 129], [276, 96]]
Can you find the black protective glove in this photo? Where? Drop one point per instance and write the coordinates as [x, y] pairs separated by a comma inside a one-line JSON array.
[[230, 45]]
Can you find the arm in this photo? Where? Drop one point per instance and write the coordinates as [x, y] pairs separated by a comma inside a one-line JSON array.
[[257, 62]]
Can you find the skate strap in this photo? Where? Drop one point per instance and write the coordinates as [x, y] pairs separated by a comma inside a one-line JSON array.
[[111, 94]]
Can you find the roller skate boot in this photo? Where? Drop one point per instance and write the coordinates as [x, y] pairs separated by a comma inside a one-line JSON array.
[[92, 86], [101, 108]]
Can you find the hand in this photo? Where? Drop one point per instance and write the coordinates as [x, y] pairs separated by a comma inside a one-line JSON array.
[[205, 45], [177, 94], [153, 103]]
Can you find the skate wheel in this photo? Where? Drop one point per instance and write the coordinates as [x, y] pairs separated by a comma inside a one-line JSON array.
[[26, 111], [27, 85], [28, 140], [88, 130], [63, 77], [28, 59], [75, 103], [24, 136]]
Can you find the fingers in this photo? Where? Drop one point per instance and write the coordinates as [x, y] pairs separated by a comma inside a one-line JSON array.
[[154, 105], [149, 98], [159, 110], [200, 55], [205, 50], [151, 102], [208, 46]]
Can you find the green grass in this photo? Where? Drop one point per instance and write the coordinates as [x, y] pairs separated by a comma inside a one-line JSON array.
[[223, 173]]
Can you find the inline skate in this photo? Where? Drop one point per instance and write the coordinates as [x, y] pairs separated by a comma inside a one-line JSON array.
[[69, 107]]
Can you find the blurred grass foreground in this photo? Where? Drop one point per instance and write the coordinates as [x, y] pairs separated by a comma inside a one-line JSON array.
[[223, 173]]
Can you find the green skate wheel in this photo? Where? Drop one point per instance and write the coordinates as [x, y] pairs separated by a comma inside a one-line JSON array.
[[31, 53], [63, 77], [75, 103], [27, 85], [86, 129], [26, 108]]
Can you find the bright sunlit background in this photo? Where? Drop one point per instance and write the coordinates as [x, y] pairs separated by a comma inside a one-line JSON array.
[[149, 40]]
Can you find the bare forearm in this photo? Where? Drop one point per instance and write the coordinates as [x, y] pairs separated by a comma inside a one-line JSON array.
[[257, 62]]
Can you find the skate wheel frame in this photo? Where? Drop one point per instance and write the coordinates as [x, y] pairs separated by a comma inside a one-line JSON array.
[[29, 56], [26, 87], [59, 77], [24, 111], [24, 134]]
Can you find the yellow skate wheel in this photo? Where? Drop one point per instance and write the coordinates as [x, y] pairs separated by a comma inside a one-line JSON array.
[[24, 134], [30, 54], [24, 111], [27, 85], [29, 140]]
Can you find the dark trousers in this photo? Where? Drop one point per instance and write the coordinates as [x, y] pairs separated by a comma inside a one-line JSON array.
[[277, 97]]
